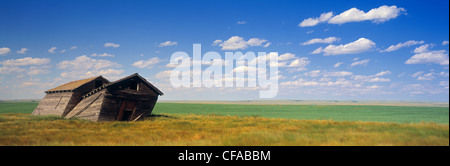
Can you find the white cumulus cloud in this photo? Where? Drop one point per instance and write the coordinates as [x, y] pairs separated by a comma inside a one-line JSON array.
[[300, 63], [84, 66], [337, 74], [286, 56], [400, 45], [376, 15], [147, 63], [382, 73], [445, 42], [377, 79], [422, 48], [360, 63], [22, 51], [103, 55], [109, 44], [237, 42], [4, 50], [425, 56], [25, 61], [358, 46], [11, 66], [338, 64], [327, 40], [52, 50], [11, 69], [35, 70], [314, 21], [256, 42], [420, 75], [167, 43]]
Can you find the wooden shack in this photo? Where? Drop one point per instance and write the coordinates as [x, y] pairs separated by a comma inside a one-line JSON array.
[[62, 99], [127, 99]]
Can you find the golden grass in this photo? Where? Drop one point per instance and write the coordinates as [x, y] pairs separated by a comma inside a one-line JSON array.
[[213, 130]]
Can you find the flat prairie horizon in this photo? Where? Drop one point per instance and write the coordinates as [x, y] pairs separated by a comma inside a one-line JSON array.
[[317, 102], [294, 102]]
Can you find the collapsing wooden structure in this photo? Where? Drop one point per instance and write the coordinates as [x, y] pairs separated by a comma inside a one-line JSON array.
[[97, 99]]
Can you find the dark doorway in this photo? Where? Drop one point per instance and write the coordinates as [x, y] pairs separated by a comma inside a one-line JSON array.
[[127, 115], [126, 110]]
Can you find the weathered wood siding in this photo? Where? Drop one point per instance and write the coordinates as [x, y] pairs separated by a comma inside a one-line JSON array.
[[89, 108], [61, 103], [79, 92], [145, 100], [53, 104]]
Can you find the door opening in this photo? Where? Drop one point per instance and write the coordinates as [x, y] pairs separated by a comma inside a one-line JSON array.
[[127, 115], [126, 110]]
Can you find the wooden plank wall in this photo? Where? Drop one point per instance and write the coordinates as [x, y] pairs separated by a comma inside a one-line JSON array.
[[145, 100], [110, 108], [53, 104], [89, 108], [79, 92]]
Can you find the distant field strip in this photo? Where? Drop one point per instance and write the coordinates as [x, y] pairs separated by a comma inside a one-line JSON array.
[[17, 107], [318, 102], [400, 114]]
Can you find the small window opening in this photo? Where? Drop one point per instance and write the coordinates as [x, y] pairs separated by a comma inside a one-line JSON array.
[[133, 85]]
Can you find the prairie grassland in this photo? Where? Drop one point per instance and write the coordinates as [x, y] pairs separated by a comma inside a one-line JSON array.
[[215, 130], [399, 114]]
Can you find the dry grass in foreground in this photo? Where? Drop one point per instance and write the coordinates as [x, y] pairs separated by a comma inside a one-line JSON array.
[[199, 130]]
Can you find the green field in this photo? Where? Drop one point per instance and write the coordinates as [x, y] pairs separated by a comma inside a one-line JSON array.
[[400, 114], [228, 124], [17, 107]]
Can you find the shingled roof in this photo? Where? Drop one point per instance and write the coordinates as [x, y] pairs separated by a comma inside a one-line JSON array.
[[72, 85]]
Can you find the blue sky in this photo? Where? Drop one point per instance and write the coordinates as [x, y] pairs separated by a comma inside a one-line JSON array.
[[350, 50]]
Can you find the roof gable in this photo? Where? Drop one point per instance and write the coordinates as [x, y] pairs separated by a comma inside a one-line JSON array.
[[74, 84], [136, 75]]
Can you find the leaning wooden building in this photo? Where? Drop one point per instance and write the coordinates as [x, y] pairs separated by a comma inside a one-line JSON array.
[[97, 99]]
